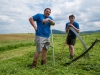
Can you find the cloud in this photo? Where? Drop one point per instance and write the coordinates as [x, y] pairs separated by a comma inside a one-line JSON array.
[[14, 14]]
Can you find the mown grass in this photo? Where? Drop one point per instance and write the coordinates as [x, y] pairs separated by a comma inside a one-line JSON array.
[[18, 61]]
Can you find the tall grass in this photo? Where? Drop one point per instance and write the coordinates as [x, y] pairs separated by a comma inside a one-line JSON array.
[[13, 41]]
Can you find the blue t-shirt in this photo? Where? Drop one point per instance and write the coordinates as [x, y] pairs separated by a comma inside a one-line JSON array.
[[43, 30], [71, 32]]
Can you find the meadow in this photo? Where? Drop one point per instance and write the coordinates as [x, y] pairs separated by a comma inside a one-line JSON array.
[[17, 50]]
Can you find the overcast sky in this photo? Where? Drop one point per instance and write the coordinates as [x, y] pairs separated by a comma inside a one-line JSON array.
[[14, 14]]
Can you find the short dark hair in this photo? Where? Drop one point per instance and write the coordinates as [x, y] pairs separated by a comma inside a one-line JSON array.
[[46, 9], [71, 16]]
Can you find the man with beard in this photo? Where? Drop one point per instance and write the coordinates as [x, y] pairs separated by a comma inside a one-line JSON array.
[[42, 35]]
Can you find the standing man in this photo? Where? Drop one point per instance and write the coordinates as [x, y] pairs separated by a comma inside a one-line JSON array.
[[71, 38], [44, 22]]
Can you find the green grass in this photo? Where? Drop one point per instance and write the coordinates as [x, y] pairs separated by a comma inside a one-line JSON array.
[[17, 61]]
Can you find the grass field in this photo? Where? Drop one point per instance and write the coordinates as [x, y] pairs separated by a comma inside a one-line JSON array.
[[17, 50]]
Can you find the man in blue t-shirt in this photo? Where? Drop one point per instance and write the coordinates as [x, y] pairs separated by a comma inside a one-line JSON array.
[[71, 38], [42, 29]]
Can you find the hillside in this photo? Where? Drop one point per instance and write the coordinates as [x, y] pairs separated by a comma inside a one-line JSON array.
[[87, 32], [84, 32], [57, 32]]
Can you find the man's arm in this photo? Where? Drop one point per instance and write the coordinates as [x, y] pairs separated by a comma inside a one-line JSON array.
[[76, 29], [67, 29], [31, 20], [51, 21]]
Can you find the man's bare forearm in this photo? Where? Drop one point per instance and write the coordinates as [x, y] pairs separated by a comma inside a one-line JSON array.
[[77, 30], [32, 23], [51, 22]]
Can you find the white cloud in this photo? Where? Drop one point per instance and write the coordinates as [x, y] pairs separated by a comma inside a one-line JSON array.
[[14, 14], [6, 18]]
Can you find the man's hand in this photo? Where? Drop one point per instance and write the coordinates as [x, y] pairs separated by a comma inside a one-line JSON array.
[[35, 28], [70, 25], [46, 20], [51, 21]]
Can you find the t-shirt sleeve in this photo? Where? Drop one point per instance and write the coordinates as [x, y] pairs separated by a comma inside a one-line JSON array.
[[66, 26], [77, 25], [51, 18], [35, 17]]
